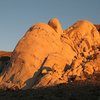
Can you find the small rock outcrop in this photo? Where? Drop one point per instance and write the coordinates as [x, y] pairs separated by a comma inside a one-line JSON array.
[[48, 55]]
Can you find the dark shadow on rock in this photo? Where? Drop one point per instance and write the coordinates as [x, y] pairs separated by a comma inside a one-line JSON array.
[[32, 81], [36, 77], [4, 63], [67, 67]]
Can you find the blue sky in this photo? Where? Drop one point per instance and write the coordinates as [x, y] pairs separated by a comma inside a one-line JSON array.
[[16, 16]]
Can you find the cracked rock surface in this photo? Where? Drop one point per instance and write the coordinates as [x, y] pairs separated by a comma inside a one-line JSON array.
[[47, 55]]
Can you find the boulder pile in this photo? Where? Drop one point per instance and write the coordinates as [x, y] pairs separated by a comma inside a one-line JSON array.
[[47, 55]]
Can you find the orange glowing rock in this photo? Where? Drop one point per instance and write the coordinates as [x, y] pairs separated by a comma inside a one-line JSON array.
[[48, 55]]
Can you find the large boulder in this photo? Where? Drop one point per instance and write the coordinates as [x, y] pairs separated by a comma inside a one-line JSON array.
[[46, 55], [40, 46]]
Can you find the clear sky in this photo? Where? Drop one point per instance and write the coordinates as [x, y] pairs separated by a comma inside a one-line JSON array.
[[16, 16]]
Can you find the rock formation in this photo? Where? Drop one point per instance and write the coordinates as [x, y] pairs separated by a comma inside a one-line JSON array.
[[4, 59], [48, 55]]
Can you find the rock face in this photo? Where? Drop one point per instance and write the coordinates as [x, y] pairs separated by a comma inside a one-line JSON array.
[[98, 27], [48, 55], [4, 59]]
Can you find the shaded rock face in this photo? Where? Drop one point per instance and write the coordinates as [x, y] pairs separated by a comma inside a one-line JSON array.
[[98, 27], [4, 59], [48, 55], [4, 62]]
